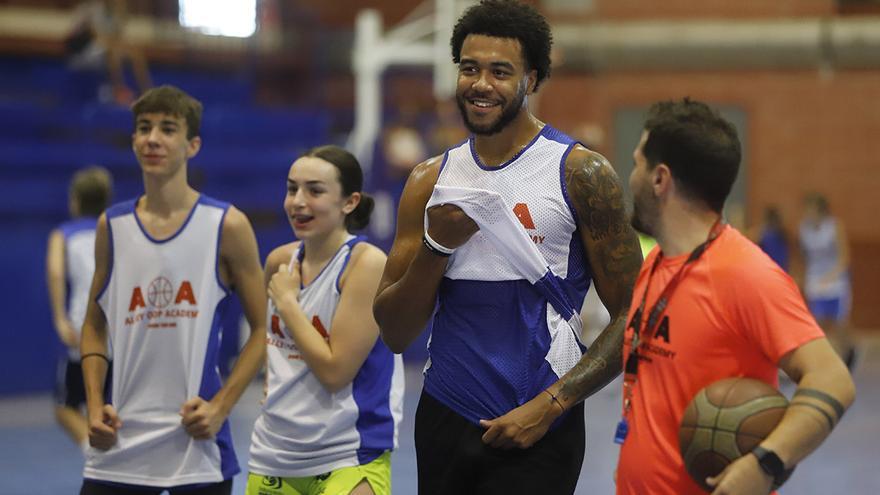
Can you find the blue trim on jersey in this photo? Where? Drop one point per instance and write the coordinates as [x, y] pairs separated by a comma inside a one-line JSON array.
[[554, 134], [351, 244], [488, 347], [446, 156], [301, 254], [519, 153], [371, 391], [216, 203], [225, 207], [121, 209], [562, 183], [175, 234], [211, 384], [77, 225], [551, 286], [117, 210], [68, 229]]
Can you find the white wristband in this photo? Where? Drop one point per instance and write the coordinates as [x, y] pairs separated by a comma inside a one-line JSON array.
[[437, 246]]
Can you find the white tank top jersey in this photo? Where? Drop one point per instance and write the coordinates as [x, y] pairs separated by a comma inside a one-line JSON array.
[[79, 263], [819, 243], [163, 301], [498, 337], [303, 429]]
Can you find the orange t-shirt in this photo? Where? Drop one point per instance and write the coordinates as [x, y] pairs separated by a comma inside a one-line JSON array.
[[734, 313]]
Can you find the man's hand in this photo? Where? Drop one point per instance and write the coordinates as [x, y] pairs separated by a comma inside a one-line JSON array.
[[450, 226], [523, 426], [202, 419], [742, 476], [103, 426]]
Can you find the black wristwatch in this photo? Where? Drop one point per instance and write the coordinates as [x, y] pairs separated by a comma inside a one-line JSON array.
[[771, 464]]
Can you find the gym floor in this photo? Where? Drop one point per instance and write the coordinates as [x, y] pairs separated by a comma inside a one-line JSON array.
[[37, 458]]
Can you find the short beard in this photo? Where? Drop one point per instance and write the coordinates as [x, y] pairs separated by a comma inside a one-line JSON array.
[[638, 220], [508, 113]]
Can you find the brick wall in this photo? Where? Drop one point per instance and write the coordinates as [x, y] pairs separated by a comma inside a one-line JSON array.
[[806, 132], [689, 9]]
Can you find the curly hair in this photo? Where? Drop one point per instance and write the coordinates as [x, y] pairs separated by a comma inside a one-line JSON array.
[[508, 19]]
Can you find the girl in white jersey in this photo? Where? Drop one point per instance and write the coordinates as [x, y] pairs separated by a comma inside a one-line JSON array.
[[334, 391]]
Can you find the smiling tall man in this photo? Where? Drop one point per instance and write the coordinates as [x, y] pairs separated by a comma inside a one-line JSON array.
[[165, 264], [501, 407]]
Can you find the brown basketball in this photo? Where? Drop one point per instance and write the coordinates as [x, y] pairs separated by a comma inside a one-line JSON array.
[[725, 421]]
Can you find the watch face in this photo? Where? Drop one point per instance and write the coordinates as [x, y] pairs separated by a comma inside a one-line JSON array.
[[769, 461], [771, 464]]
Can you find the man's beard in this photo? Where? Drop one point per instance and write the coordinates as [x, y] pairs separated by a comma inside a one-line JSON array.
[[508, 113], [640, 217]]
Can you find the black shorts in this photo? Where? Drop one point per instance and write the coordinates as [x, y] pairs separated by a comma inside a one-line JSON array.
[[452, 457], [90, 487], [70, 390]]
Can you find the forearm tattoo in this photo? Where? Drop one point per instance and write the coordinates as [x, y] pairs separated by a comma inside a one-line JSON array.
[[601, 364]]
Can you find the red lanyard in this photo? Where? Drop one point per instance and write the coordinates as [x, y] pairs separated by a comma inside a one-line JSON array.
[[642, 336]]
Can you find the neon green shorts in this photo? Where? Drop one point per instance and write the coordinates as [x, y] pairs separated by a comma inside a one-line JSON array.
[[339, 482]]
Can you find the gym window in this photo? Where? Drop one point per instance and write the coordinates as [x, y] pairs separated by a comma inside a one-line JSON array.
[[235, 18]]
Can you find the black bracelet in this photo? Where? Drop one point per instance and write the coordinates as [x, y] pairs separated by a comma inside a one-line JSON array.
[[105, 358], [433, 249]]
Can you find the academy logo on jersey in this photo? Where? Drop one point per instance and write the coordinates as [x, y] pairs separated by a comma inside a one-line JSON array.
[[167, 302], [277, 337], [521, 210]]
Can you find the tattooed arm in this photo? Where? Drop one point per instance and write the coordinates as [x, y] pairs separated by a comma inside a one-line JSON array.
[[614, 255], [615, 258]]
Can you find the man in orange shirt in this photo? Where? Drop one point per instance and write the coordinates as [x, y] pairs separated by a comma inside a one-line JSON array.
[[709, 304]]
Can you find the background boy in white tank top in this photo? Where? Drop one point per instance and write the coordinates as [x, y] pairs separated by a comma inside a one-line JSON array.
[[70, 265], [164, 266]]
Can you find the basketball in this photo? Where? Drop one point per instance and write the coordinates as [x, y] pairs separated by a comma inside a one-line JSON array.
[[725, 421]]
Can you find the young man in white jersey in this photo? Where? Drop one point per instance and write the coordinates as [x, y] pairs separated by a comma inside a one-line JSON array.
[[334, 390], [501, 409], [70, 265], [165, 264]]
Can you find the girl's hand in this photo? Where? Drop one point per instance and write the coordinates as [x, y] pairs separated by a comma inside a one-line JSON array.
[[284, 285]]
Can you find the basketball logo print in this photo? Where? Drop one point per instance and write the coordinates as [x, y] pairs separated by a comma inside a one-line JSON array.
[[160, 292]]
